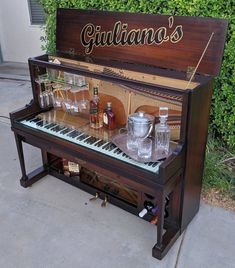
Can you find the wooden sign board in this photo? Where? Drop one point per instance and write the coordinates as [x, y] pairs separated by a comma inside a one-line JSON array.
[[170, 42]]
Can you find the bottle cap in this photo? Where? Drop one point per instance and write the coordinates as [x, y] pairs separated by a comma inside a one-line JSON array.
[[109, 104]]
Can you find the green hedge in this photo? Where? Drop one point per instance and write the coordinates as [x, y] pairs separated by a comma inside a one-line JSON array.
[[222, 124]]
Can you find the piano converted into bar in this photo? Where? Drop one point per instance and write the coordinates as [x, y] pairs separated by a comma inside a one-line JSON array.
[[139, 62]]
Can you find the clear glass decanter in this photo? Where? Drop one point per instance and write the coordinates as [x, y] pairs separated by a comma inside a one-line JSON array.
[[162, 133]]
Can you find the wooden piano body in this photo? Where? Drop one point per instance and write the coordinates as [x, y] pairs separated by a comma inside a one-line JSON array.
[[147, 72]]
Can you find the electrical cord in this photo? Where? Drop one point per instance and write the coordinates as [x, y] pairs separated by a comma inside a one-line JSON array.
[[3, 116]]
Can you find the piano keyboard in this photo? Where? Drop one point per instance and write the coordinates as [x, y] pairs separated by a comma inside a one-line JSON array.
[[81, 138]]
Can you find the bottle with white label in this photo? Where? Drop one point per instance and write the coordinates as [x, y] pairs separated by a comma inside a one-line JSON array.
[[109, 117]]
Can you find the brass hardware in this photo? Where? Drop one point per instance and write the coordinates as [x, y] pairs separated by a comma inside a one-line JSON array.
[[95, 197], [104, 203]]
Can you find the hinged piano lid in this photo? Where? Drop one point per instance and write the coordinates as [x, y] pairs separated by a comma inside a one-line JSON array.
[[170, 42]]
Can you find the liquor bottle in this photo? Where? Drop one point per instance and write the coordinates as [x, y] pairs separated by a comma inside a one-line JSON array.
[[109, 117], [162, 132], [96, 116], [148, 207]]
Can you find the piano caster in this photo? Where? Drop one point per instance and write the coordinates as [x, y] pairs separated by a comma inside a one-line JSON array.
[[95, 197], [105, 202]]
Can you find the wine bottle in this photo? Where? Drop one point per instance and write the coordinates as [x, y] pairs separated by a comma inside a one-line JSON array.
[[148, 207]]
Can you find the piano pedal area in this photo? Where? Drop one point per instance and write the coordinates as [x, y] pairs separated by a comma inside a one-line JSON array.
[[107, 190]]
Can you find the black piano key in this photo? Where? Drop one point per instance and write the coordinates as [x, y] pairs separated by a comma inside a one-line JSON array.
[[35, 120], [155, 164], [74, 134], [82, 137], [150, 163], [50, 125], [71, 133], [111, 146], [124, 155], [57, 128], [91, 140], [100, 143], [94, 140], [30, 118], [42, 123], [118, 151], [65, 131], [106, 146]]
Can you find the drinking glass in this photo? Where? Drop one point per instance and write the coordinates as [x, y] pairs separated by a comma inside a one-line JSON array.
[[66, 104], [79, 80], [83, 103], [145, 148], [68, 78], [49, 96], [52, 74], [74, 106], [40, 95], [131, 142], [43, 96], [58, 97]]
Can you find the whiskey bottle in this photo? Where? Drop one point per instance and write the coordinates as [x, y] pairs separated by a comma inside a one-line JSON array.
[[96, 117], [109, 117]]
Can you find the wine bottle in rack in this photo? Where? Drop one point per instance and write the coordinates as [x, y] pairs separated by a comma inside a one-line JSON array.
[[148, 207]]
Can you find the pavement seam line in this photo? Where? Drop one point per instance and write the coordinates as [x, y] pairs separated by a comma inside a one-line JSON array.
[[180, 247]]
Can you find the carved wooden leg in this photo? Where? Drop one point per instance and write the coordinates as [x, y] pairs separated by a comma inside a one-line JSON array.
[[19, 146], [172, 230], [28, 179], [161, 202]]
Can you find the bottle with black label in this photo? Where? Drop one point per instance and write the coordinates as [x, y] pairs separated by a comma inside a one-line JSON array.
[[96, 117]]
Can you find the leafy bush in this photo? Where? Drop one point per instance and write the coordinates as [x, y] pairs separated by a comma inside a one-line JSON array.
[[219, 171], [223, 106]]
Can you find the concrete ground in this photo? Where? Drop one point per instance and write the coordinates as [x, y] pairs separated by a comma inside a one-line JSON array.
[[52, 224]]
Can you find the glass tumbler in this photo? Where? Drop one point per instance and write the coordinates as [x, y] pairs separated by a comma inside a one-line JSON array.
[[144, 148]]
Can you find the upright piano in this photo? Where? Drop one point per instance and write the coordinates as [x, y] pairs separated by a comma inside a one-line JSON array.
[[138, 62]]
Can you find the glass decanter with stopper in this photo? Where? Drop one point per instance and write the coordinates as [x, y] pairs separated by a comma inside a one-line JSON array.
[[162, 133]]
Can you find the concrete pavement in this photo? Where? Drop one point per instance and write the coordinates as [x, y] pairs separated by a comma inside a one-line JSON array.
[[52, 224]]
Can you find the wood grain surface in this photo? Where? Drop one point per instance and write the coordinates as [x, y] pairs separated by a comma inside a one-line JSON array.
[[177, 56]]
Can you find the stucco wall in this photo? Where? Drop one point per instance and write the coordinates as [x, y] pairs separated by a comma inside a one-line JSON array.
[[18, 38]]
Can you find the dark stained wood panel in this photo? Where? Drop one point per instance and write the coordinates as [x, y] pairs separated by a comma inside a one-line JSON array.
[[178, 56]]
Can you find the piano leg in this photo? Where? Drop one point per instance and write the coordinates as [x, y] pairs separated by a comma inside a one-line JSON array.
[[28, 179], [45, 158], [172, 230], [19, 146]]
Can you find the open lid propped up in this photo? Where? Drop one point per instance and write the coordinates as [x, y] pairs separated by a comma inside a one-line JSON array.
[[161, 41]]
